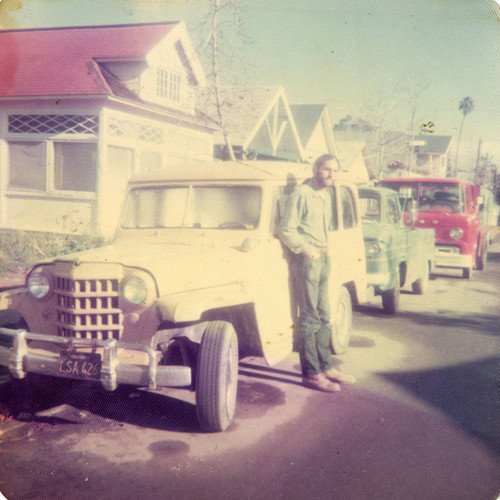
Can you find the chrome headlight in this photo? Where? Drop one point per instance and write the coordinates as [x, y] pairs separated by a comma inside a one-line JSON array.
[[38, 283], [135, 290], [373, 249], [456, 233]]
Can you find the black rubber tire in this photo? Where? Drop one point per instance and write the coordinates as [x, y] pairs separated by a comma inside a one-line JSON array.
[[217, 377], [420, 286], [467, 273], [482, 257], [390, 298], [342, 323]]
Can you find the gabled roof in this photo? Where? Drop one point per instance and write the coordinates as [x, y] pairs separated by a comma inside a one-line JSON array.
[[254, 117], [435, 144], [306, 117], [61, 61], [242, 109]]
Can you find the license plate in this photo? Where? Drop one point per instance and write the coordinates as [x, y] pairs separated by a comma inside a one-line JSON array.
[[85, 365]]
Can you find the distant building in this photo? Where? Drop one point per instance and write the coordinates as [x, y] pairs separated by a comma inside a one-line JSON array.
[[257, 121], [397, 154], [355, 162], [82, 109], [431, 154]]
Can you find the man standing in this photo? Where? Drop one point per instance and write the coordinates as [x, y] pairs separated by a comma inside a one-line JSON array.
[[304, 229]]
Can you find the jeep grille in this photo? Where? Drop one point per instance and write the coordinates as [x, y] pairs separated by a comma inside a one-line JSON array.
[[88, 309]]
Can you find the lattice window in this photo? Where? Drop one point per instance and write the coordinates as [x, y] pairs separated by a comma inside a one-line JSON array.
[[53, 124], [135, 130], [168, 84]]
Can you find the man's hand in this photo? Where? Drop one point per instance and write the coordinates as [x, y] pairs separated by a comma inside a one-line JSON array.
[[312, 254]]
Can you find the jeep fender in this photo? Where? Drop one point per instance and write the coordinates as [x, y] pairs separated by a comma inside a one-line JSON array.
[[11, 306], [189, 306]]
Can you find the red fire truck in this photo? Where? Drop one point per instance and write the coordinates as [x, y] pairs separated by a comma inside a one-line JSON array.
[[452, 208]]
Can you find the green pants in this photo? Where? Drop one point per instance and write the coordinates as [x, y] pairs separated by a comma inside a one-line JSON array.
[[311, 278]]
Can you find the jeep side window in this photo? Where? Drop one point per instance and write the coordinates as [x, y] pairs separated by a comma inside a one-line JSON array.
[[349, 216]]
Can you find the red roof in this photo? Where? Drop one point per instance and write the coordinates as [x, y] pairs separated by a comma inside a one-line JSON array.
[[60, 61]]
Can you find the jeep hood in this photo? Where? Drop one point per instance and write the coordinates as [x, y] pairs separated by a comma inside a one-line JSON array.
[[175, 267]]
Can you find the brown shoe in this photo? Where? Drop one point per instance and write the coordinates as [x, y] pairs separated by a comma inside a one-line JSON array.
[[337, 376], [320, 382]]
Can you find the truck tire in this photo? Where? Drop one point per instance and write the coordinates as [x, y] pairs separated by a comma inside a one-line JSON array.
[[390, 298], [342, 323], [482, 257], [217, 376], [467, 273], [420, 286]]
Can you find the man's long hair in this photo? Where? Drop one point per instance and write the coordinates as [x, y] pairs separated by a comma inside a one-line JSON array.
[[324, 158]]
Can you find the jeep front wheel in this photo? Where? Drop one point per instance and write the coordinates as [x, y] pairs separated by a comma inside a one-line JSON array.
[[342, 323], [217, 376]]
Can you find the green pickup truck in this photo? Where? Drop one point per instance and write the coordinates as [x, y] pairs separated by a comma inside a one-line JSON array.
[[396, 256]]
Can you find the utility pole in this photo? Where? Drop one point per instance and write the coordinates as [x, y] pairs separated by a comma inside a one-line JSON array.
[[478, 162]]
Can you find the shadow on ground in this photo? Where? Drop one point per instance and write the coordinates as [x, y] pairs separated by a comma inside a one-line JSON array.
[[486, 324], [468, 393], [55, 401]]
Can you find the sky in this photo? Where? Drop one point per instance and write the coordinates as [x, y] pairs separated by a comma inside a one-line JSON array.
[[359, 57]]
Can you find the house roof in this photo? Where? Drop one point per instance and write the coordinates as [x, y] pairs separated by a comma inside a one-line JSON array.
[[306, 117], [435, 144], [242, 108], [61, 61]]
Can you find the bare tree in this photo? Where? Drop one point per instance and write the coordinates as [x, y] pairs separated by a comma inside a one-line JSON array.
[[223, 49], [414, 94], [466, 106], [385, 113]]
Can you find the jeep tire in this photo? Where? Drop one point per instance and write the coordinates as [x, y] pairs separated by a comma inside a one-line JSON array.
[[342, 323], [217, 376]]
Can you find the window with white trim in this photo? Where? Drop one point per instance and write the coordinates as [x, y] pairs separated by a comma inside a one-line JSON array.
[[50, 166], [168, 84], [28, 165], [75, 166]]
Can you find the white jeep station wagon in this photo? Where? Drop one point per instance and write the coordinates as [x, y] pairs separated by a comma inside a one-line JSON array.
[[194, 280]]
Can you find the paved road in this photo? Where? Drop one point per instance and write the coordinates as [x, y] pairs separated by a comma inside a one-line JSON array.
[[422, 421]]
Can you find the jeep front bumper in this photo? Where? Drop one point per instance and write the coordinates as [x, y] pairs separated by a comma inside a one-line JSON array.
[[121, 362]]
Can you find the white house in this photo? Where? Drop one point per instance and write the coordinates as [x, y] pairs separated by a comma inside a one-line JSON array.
[[83, 108], [315, 129], [432, 154], [257, 121], [354, 161]]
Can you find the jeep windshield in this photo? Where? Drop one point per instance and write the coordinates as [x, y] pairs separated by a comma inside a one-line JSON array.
[[430, 197], [205, 207]]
